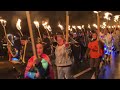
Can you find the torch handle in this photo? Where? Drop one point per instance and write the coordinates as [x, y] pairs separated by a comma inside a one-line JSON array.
[[6, 36], [39, 34], [48, 35], [67, 23], [21, 32], [23, 59], [63, 34], [31, 33], [98, 22]]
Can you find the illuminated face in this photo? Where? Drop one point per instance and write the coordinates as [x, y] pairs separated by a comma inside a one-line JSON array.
[[39, 48], [60, 40], [44, 36], [74, 35], [94, 35], [23, 42]]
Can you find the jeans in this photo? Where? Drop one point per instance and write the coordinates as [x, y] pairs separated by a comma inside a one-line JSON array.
[[94, 63], [64, 72]]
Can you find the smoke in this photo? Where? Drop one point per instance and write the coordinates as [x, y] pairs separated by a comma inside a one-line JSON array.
[[36, 16]]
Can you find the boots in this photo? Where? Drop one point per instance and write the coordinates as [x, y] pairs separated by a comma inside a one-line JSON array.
[[93, 69], [96, 73]]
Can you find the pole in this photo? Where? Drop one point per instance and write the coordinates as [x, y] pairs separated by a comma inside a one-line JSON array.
[[98, 24], [39, 34], [6, 35], [21, 32], [67, 23], [98, 21], [63, 33], [48, 35], [31, 33]]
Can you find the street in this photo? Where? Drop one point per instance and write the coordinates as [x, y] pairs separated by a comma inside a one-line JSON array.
[[79, 71]]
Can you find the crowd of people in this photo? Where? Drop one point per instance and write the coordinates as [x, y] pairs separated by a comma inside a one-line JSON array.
[[55, 51]]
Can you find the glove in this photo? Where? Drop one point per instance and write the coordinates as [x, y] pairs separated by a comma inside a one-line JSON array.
[[31, 75], [44, 64]]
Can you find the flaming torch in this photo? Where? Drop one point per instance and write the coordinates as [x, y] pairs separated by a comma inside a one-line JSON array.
[[109, 27], [107, 17], [70, 29], [47, 27], [67, 24], [79, 27], [89, 26], [3, 22], [94, 25], [32, 36], [107, 14], [61, 27], [74, 27], [116, 17], [98, 20], [44, 24], [67, 32], [37, 26], [104, 25], [98, 25], [18, 26], [83, 26]]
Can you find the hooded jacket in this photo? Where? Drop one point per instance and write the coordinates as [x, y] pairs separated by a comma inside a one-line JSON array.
[[31, 62]]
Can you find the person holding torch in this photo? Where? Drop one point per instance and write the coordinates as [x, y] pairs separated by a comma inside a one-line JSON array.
[[63, 60], [95, 51]]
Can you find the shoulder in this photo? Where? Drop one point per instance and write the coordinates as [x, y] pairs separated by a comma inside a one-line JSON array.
[[31, 59], [46, 57]]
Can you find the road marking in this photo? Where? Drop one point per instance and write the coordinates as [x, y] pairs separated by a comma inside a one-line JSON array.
[[93, 76], [2, 62], [86, 70], [15, 62]]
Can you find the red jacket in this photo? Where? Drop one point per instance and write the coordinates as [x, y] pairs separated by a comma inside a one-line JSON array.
[[93, 46], [31, 61]]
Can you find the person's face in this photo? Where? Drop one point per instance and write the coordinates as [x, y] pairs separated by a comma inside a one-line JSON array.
[[60, 41], [39, 48], [74, 35], [23, 42], [94, 36], [44, 36]]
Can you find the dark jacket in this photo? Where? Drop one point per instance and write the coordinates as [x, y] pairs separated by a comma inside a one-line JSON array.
[[47, 47]]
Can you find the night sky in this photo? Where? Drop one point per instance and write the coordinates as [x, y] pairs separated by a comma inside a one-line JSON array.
[[76, 18]]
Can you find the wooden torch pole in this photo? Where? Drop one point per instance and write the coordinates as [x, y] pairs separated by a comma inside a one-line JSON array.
[[31, 33], [98, 24], [67, 32]]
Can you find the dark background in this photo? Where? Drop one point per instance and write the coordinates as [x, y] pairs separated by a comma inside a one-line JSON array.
[[76, 18]]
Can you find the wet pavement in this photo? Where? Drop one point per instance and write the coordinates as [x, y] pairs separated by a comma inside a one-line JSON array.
[[108, 71], [112, 71], [9, 70], [80, 70]]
